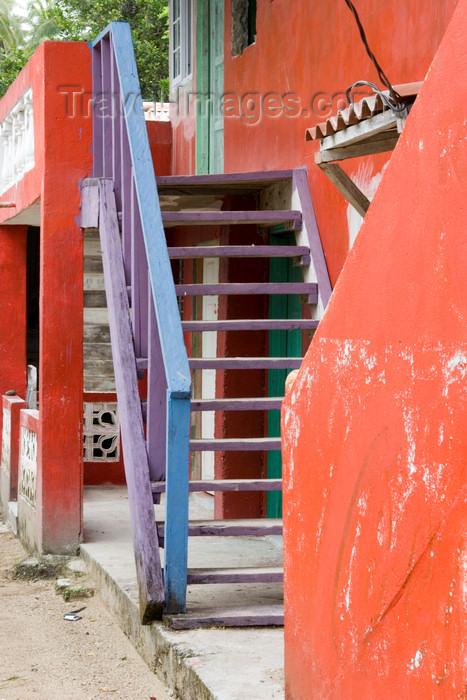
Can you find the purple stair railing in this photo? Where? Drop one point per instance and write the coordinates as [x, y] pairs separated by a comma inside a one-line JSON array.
[[139, 267]]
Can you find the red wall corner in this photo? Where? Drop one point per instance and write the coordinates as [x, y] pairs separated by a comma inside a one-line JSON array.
[[160, 143], [13, 241], [375, 446], [67, 153]]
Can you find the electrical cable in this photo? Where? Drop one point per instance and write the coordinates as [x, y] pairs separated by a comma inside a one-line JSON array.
[[395, 101]]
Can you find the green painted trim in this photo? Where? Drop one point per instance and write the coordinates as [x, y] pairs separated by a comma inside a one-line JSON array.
[[202, 86], [281, 344]]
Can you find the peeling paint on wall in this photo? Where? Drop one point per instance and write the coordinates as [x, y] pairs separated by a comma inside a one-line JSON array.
[[376, 512]]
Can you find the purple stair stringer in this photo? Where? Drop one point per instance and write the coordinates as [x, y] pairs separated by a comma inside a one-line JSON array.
[[145, 540]]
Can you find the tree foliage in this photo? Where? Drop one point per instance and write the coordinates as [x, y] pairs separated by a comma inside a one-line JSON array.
[[82, 20]]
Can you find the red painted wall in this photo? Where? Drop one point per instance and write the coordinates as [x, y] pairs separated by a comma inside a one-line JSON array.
[[67, 159], [160, 143], [307, 48], [13, 309], [375, 446], [62, 142], [310, 50]]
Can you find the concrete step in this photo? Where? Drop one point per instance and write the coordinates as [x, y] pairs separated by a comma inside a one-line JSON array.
[[95, 316], [94, 299], [92, 248], [93, 265], [97, 382], [97, 351], [101, 367], [93, 282], [96, 333]]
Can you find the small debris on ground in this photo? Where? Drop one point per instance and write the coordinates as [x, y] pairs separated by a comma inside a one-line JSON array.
[[45, 657], [75, 592], [62, 583]]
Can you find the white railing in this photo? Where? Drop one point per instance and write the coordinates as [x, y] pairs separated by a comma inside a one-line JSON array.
[[17, 142]]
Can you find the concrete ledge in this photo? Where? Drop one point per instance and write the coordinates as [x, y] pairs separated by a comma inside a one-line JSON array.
[[171, 664], [199, 664]]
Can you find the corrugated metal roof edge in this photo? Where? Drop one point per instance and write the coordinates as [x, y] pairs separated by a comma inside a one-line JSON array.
[[359, 111]]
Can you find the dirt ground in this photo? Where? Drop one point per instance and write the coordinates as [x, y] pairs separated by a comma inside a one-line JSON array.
[[46, 657]]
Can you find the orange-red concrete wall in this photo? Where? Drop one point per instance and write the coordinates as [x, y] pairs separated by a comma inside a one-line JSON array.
[[160, 143], [13, 309], [375, 445], [308, 49], [67, 159], [309, 53]]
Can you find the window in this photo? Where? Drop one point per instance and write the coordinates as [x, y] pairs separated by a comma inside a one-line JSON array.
[[243, 25], [180, 40]]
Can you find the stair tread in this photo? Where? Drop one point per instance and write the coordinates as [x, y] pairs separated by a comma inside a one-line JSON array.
[[225, 485], [246, 404], [265, 574], [231, 528], [235, 444], [245, 362], [259, 177], [247, 288], [94, 298], [234, 251], [220, 218], [256, 324], [248, 616]]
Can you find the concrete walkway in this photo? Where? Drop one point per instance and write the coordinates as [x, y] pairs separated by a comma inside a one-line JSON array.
[[226, 664]]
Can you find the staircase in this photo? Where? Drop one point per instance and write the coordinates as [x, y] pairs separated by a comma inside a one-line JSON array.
[[98, 372], [154, 248]]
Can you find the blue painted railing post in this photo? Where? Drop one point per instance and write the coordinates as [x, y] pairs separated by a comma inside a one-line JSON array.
[[176, 523]]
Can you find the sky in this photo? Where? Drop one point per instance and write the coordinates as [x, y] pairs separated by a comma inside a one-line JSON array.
[[20, 7]]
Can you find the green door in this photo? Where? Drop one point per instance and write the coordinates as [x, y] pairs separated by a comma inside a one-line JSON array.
[[281, 344], [210, 86]]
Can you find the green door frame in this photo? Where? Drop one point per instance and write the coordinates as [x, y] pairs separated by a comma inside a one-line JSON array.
[[281, 344], [206, 10]]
